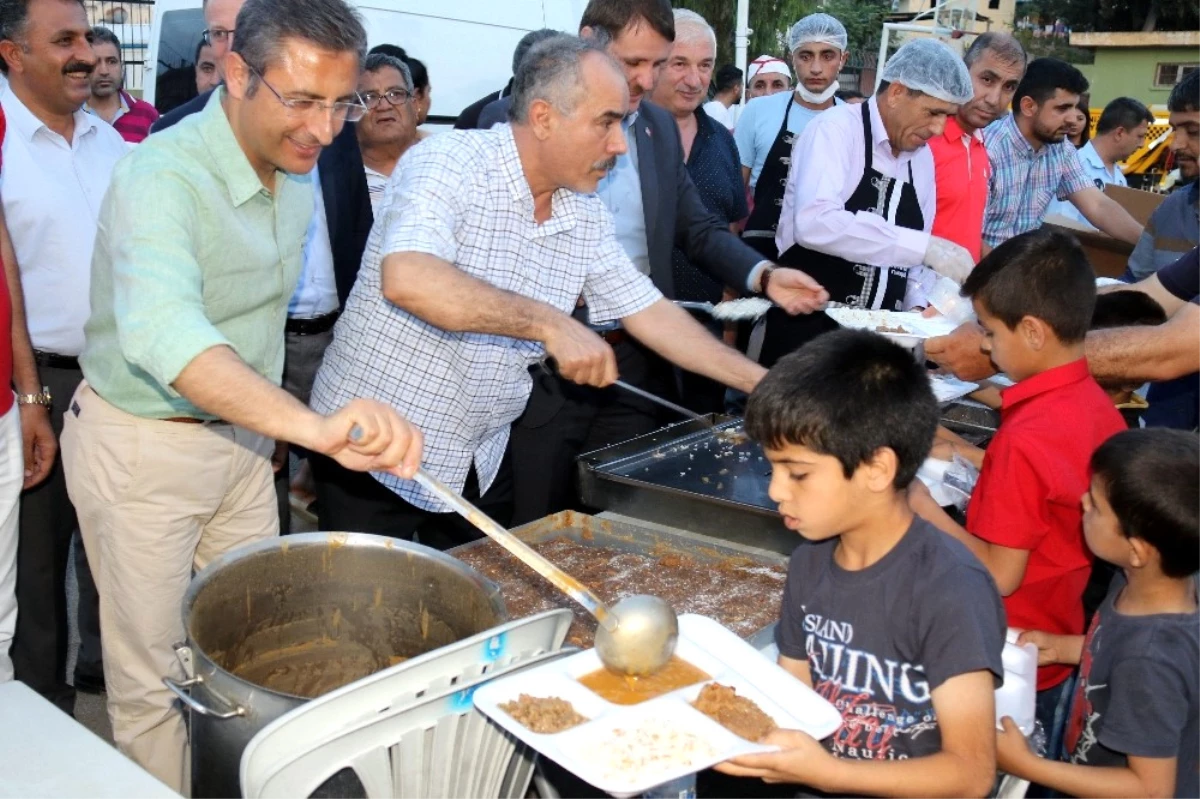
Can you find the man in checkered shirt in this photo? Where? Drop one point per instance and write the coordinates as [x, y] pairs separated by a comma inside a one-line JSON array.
[[1033, 163], [488, 240]]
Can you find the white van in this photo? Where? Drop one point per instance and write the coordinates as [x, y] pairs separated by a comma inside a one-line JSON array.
[[466, 45]]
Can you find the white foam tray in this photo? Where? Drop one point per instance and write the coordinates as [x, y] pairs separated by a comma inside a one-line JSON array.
[[948, 388], [705, 644], [918, 326]]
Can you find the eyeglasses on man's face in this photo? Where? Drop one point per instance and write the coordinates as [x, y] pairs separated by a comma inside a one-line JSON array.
[[304, 107], [395, 97], [217, 36]]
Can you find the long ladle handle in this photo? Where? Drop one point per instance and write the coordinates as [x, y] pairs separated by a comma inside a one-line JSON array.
[[560, 579]]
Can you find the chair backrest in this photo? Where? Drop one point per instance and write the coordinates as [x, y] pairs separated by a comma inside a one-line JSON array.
[[417, 712]]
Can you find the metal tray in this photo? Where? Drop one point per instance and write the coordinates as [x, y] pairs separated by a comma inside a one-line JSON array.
[[686, 476], [613, 531]]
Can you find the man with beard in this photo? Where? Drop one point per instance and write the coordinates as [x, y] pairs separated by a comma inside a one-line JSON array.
[[996, 62], [130, 116], [390, 125], [58, 162], [1033, 163]]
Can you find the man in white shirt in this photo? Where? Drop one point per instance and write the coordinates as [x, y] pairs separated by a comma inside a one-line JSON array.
[[861, 197], [1120, 131], [58, 161], [724, 106]]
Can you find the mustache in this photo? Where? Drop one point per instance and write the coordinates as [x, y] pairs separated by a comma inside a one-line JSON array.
[[605, 165], [79, 66]]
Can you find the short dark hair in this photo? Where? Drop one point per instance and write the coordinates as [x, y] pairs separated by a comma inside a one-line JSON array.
[[1043, 274], [1123, 112], [848, 394], [1126, 308], [1004, 45], [102, 34], [200, 45], [1045, 76], [14, 16], [416, 67], [1151, 477], [263, 26], [528, 41], [1186, 94], [727, 77], [614, 16]]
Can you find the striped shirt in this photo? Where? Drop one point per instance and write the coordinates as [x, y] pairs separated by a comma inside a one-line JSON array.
[[1025, 181]]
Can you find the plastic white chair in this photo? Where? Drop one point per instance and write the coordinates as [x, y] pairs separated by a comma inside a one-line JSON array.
[[410, 731]]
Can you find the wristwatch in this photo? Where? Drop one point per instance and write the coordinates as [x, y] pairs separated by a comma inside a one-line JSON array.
[[765, 279], [44, 398]]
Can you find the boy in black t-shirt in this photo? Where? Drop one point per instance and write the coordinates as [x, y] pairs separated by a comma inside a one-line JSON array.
[[893, 621], [1134, 728]]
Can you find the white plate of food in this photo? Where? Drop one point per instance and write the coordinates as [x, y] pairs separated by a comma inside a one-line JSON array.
[[906, 328], [575, 713]]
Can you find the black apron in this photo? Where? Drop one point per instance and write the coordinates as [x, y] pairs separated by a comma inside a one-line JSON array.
[[759, 232], [851, 284]]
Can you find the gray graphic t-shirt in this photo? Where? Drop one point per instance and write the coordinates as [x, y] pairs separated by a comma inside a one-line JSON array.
[[880, 640]]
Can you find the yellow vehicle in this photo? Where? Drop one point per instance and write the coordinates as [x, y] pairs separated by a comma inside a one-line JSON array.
[[1147, 168]]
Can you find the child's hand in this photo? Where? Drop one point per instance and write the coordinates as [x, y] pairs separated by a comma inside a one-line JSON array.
[[801, 759], [943, 450], [1012, 750], [1048, 646]]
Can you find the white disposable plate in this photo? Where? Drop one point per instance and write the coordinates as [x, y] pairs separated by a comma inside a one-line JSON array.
[[705, 644], [948, 387], [917, 328]]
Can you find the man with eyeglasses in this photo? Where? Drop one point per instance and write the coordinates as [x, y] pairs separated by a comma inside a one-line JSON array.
[[167, 443], [220, 24], [390, 125]]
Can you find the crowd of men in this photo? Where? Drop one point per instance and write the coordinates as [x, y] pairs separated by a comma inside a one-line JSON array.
[[288, 262]]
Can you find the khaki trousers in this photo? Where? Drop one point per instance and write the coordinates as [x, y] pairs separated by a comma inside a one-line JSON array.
[[156, 501]]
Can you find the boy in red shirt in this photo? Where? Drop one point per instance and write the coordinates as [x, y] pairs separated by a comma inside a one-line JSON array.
[[1034, 296]]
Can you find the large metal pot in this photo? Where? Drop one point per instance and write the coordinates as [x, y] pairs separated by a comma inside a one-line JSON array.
[[295, 602]]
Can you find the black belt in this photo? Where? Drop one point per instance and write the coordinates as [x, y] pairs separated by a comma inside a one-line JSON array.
[[311, 327], [55, 361]]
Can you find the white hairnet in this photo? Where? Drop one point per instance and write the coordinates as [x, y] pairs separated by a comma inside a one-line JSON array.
[[929, 66], [820, 29]]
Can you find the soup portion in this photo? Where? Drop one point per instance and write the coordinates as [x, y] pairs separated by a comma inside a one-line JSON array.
[[621, 689]]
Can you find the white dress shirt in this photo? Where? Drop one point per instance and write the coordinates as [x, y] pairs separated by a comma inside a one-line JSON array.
[[316, 294], [621, 191], [463, 197], [827, 165], [52, 194]]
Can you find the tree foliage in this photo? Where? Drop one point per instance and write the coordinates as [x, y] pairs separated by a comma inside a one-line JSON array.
[[1120, 15]]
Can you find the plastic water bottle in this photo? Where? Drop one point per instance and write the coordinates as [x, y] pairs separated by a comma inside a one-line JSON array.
[[679, 788]]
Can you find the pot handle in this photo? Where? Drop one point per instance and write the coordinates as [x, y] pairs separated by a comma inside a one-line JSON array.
[[185, 696]]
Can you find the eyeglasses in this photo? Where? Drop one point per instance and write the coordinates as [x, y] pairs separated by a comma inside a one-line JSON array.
[[396, 97], [341, 111], [217, 36]]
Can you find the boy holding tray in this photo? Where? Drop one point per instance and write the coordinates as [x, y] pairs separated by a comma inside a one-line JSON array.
[[895, 623]]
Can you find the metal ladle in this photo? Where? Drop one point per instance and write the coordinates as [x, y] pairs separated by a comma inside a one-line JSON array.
[[636, 636]]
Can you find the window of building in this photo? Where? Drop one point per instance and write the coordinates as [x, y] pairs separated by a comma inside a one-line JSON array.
[[1170, 74], [993, 4]]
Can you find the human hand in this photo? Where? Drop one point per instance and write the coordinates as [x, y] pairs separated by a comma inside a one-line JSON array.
[[365, 435], [949, 259], [960, 352], [801, 759], [1012, 749], [38, 444], [1049, 646], [580, 355], [796, 292], [943, 449]]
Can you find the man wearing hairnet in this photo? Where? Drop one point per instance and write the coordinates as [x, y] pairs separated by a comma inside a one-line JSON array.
[[860, 196], [769, 125]]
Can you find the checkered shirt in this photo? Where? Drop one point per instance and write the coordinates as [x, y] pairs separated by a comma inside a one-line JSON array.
[[1025, 181], [463, 197]]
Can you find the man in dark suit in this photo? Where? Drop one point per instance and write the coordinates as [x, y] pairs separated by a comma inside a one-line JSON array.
[[655, 206], [469, 118]]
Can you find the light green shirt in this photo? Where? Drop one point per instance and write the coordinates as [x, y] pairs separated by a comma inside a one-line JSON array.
[[192, 252]]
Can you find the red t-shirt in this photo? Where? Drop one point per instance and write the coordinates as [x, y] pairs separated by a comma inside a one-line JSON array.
[[962, 172], [1028, 495], [6, 365]]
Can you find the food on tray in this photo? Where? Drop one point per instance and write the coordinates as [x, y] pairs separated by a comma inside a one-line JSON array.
[[636, 753], [622, 689], [737, 714], [742, 596], [543, 714], [733, 436], [892, 329]]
